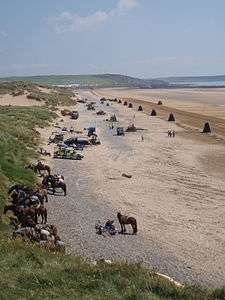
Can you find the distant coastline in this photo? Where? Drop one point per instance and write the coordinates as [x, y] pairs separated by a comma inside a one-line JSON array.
[[117, 80]]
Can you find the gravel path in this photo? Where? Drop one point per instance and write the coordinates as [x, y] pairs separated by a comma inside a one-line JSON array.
[[93, 189]]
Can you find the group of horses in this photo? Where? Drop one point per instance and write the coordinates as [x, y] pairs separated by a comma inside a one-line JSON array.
[[27, 204]]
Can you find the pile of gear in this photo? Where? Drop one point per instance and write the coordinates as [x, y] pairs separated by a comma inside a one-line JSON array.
[[45, 236], [107, 229]]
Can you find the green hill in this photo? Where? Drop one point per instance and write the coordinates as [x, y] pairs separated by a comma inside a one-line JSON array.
[[104, 80]]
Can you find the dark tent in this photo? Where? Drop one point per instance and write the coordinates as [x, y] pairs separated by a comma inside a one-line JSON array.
[[140, 108], [125, 103], [159, 103], [131, 128], [171, 118], [206, 128], [130, 105], [153, 113], [113, 118]]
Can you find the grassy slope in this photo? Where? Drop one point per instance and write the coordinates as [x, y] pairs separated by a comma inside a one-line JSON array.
[[17, 143], [28, 272]]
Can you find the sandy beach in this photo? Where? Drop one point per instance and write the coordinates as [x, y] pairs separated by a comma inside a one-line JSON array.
[[176, 193]]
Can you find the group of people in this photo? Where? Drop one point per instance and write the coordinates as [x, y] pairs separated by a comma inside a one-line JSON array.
[[171, 133]]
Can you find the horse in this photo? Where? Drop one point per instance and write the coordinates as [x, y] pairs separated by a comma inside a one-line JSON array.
[[39, 167], [41, 193], [53, 182], [127, 220], [17, 187], [41, 211], [21, 212]]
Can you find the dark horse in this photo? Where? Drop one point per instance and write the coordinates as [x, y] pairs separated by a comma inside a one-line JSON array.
[[127, 220], [17, 187], [23, 213], [39, 167], [51, 181]]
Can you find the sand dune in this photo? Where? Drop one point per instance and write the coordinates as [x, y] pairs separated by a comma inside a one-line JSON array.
[[18, 101]]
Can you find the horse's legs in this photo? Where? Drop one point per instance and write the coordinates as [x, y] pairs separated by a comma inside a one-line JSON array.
[[46, 196], [64, 190], [124, 228], [134, 226], [42, 217], [121, 227], [36, 217], [46, 216]]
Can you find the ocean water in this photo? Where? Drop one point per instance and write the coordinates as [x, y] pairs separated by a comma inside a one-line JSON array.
[[201, 83]]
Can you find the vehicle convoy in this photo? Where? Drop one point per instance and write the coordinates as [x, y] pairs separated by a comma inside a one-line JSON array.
[[67, 153]]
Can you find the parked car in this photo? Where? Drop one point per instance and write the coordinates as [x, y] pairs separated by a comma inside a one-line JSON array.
[[74, 115], [119, 131]]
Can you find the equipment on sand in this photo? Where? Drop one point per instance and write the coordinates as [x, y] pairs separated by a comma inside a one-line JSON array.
[[171, 118], [67, 153], [131, 128], [153, 113], [206, 128]]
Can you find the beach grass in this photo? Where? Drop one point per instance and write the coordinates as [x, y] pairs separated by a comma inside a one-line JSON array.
[[28, 272], [18, 141]]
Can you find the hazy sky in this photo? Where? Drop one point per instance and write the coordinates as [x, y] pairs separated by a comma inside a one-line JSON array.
[[143, 38]]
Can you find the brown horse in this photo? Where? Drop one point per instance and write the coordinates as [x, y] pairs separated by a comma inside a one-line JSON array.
[[22, 213], [39, 167], [42, 193], [41, 211], [127, 220]]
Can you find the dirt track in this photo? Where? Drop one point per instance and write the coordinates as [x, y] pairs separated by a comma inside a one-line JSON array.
[[179, 205]]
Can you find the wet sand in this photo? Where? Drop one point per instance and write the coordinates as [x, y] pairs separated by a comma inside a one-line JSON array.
[[176, 193]]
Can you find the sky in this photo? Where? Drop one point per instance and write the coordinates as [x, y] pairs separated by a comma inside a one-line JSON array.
[[141, 38]]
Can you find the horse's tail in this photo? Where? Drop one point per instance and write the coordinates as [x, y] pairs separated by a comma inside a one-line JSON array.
[[135, 226]]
